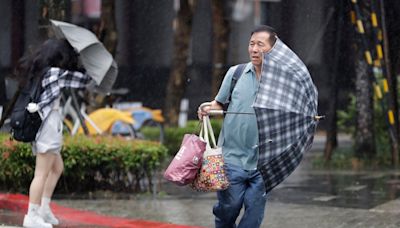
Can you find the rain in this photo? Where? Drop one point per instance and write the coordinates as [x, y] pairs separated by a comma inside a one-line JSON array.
[[321, 112]]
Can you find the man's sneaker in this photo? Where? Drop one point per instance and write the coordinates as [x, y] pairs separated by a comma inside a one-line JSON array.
[[48, 216], [35, 221]]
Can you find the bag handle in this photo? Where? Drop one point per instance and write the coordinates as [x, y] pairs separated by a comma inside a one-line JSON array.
[[201, 134], [204, 132], [211, 132], [206, 128]]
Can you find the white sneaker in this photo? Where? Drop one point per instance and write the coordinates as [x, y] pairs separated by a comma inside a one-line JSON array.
[[48, 216], [35, 221]]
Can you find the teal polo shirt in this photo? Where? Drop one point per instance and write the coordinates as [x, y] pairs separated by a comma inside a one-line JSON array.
[[239, 135]]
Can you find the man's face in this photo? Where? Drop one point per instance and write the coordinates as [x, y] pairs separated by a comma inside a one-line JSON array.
[[258, 44]]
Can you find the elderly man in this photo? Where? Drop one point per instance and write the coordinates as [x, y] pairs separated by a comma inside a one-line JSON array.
[[239, 138]]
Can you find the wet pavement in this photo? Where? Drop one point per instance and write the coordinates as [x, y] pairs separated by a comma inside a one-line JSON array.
[[8, 217], [308, 198], [342, 189]]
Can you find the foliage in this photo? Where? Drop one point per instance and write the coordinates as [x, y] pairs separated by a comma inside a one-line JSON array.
[[347, 118], [91, 163], [343, 158], [174, 135], [347, 123]]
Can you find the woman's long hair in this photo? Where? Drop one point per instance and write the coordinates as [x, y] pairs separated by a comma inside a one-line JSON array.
[[52, 53]]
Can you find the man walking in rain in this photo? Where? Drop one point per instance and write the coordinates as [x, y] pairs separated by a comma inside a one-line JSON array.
[[239, 138]]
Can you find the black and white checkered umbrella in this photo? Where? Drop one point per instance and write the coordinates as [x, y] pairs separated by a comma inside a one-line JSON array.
[[286, 110]]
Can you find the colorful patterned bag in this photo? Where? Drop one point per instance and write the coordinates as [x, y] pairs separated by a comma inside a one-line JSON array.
[[211, 176]]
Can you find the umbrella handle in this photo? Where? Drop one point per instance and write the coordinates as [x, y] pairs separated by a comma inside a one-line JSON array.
[[216, 112]]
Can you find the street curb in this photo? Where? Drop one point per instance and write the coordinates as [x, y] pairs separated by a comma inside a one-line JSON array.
[[77, 218]]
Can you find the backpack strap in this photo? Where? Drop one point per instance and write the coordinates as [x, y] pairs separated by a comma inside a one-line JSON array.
[[236, 75], [34, 89], [36, 86]]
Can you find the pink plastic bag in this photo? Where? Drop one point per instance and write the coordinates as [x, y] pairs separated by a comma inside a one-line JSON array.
[[184, 167]]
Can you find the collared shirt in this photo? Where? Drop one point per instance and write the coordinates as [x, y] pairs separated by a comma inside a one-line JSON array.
[[53, 81], [240, 132]]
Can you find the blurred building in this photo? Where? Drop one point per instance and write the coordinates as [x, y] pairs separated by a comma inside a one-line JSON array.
[[145, 32]]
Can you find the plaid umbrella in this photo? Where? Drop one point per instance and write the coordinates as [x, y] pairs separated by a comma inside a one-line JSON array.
[[286, 109]]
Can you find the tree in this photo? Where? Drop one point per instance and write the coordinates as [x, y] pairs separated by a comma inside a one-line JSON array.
[[177, 80], [17, 50], [365, 139], [107, 29], [365, 136], [331, 135], [50, 9], [54, 9], [221, 31], [390, 31], [106, 32]]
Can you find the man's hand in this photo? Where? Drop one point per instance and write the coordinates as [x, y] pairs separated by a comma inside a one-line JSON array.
[[204, 109]]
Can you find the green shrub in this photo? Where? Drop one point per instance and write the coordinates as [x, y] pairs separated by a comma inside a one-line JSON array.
[[343, 158], [174, 135], [90, 163], [347, 123]]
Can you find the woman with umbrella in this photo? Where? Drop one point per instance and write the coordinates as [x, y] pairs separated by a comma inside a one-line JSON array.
[[56, 64]]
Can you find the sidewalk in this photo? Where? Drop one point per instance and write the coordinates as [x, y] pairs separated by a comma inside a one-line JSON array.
[[307, 199], [14, 206]]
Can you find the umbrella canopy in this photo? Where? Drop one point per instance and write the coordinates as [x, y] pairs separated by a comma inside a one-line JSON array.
[[286, 109], [97, 61]]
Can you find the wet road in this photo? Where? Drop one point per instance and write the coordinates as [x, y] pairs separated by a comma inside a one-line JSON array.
[[308, 198]]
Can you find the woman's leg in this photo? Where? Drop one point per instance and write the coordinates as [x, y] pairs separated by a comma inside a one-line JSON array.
[[52, 178], [44, 163], [51, 182]]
